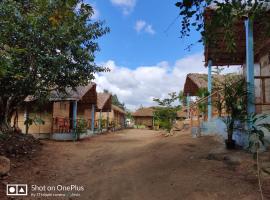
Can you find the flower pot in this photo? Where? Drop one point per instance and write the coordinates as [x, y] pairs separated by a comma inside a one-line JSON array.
[[230, 144]]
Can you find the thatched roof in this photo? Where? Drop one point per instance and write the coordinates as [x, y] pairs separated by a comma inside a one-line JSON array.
[[72, 95], [144, 112], [118, 109], [216, 50], [81, 93], [195, 81], [104, 102]]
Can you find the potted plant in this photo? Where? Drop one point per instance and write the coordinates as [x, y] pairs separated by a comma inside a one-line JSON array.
[[81, 128], [234, 94]]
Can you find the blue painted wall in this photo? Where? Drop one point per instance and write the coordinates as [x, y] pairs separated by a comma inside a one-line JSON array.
[[218, 127]]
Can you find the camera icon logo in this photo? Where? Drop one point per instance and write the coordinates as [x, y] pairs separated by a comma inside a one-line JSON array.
[[17, 189]]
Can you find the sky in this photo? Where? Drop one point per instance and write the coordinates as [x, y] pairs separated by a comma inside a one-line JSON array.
[[144, 51]]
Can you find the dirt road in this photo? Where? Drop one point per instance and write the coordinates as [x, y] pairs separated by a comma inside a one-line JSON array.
[[138, 165]]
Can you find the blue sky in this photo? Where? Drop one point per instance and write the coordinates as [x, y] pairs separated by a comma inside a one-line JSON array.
[[129, 47], [145, 61]]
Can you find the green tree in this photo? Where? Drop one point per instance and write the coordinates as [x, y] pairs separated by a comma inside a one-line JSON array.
[[182, 98], [202, 105], [44, 45], [116, 102], [129, 115], [106, 91], [165, 115]]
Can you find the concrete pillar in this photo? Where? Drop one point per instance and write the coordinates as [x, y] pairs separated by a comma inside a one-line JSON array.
[[250, 66], [209, 90], [74, 117], [93, 117]]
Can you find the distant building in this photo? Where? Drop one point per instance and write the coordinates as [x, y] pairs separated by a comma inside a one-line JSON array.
[[64, 113], [104, 105], [196, 82], [116, 118], [61, 113], [144, 116]]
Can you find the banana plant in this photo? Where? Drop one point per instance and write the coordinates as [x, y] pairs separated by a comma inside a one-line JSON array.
[[257, 128]]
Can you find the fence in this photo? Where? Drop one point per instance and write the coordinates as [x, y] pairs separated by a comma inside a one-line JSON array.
[[65, 125]]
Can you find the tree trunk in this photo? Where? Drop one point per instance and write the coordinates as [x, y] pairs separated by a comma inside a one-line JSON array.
[[6, 112], [5, 125]]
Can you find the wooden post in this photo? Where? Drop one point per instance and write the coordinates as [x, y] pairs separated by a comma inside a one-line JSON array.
[[107, 124], [125, 121], [198, 119], [93, 118], [188, 106], [250, 66], [100, 121], [209, 90], [191, 121], [26, 119], [153, 123], [199, 123]]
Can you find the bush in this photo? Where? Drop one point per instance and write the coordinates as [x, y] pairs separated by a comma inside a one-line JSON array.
[[165, 117], [166, 113], [166, 125], [81, 126], [104, 123]]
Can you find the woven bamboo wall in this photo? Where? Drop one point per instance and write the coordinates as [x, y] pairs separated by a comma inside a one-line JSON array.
[[147, 121], [265, 71], [114, 116], [35, 128]]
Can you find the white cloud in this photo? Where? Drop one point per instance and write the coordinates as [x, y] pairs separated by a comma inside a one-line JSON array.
[[139, 86], [149, 29], [143, 26], [140, 24], [127, 6]]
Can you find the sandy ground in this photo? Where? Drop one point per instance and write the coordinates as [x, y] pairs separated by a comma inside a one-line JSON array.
[[137, 165]]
